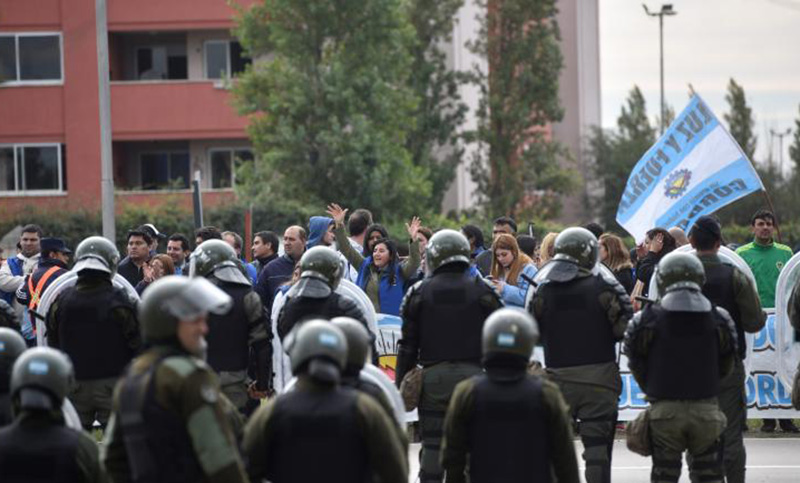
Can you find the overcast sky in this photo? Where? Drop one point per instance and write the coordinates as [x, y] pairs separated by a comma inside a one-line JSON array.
[[757, 42]]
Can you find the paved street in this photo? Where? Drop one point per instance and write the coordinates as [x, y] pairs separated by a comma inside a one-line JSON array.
[[769, 460]]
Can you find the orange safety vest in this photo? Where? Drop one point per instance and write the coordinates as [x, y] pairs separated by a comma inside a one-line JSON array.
[[37, 292]]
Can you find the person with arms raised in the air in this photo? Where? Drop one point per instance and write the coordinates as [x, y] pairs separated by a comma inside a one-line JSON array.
[[381, 275]]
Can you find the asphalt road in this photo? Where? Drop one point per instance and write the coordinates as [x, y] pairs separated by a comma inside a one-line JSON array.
[[769, 460]]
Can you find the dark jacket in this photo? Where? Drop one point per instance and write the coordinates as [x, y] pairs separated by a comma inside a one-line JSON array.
[[625, 278], [130, 271], [645, 268], [275, 274], [484, 262], [45, 264]]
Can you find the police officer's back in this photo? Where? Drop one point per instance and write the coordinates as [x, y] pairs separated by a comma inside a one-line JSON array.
[[170, 422], [12, 345], [321, 431], [314, 295], [510, 426], [95, 323], [581, 315], [243, 334], [443, 317], [679, 348], [37, 446]]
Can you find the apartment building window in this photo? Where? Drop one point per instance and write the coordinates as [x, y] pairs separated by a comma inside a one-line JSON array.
[[30, 58], [165, 170], [31, 168], [223, 165], [223, 58], [159, 62]]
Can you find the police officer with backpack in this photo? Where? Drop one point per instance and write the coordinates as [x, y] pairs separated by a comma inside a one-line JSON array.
[[37, 446], [510, 426], [243, 333], [679, 349]]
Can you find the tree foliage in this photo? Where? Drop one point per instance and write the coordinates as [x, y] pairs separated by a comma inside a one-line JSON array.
[[740, 118], [517, 167], [331, 108], [613, 154]]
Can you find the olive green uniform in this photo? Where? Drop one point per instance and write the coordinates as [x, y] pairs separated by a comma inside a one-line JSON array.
[[92, 397], [732, 397], [386, 455], [456, 433], [592, 391], [186, 387]]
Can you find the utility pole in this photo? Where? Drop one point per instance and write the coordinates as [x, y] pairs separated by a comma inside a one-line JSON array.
[[780, 136], [104, 92], [666, 9]]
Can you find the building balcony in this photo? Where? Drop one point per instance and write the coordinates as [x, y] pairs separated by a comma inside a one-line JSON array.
[[159, 110]]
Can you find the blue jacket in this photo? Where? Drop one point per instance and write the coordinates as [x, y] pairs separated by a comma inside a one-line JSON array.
[[515, 295], [15, 266], [317, 226], [275, 274], [390, 296]]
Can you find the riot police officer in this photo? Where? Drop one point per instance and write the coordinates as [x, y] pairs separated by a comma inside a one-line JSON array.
[[728, 287], [37, 446], [321, 431], [12, 345], [95, 323], [243, 332], [509, 425], [171, 421], [443, 316], [581, 315], [679, 348], [314, 295]]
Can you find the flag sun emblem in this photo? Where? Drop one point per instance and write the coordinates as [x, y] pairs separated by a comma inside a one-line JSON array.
[[677, 183]]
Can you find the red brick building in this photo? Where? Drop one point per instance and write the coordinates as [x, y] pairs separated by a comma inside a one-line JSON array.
[[171, 110]]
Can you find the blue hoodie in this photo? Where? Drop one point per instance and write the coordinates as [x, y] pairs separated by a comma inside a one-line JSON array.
[[317, 226]]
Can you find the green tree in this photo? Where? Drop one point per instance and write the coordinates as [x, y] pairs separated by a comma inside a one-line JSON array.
[[433, 141], [331, 108], [517, 167], [740, 119], [615, 153]]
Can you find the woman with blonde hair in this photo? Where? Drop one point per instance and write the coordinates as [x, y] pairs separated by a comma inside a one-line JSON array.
[[615, 256], [547, 248], [512, 270]]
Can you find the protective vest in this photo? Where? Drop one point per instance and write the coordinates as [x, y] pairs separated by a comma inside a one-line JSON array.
[[451, 318], [6, 415], [683, 359], [157, 444], [317, 438], [371, 389], [574, 325], [229, 334], [719, 290], [38, 452], [508, 432], [15, 266], [89, 334], [35, 290], [299, 309], [390, 295]]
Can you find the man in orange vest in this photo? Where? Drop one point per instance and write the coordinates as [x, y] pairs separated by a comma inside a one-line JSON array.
[[53, 264]]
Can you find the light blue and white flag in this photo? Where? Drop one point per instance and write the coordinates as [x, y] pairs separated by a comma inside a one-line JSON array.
[[694, 169]]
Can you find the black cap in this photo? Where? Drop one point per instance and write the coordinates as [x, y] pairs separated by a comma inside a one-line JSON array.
[[710, 225], [54, 245]]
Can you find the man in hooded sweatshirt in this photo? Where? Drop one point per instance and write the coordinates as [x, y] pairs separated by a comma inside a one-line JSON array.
[[320, 232]]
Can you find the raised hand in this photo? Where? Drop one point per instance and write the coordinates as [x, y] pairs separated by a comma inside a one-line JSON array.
[[337, 213], [413, 227]]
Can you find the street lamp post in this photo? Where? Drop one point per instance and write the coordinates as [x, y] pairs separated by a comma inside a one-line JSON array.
[[666, 9], [780, 135]]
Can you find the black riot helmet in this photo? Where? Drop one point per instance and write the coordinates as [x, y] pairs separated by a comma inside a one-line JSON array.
[[358, 343], [318, 349], [97, 253], [680, 270], [510, 332], [218, 259], [576, 245], [12, 345], [41, 379], [173, 298], [446, 247], [321, 263]]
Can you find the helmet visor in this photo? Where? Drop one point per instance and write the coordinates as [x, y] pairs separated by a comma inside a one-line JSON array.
[[200, 297]]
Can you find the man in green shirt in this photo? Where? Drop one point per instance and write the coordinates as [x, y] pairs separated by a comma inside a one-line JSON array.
[[766, 259]]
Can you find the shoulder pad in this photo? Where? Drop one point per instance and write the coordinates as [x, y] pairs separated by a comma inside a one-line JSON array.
[[409, 307], [184, 365]]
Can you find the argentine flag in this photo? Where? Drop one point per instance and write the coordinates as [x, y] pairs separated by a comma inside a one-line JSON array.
[[694, 169]]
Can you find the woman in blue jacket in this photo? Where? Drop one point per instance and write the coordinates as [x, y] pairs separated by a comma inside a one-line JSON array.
[[512, 270], [381, 275]]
